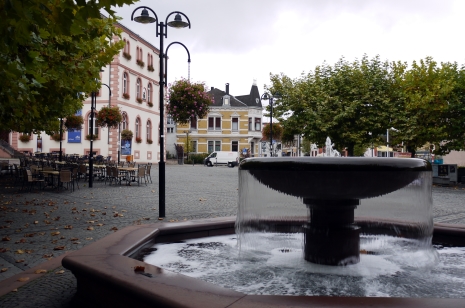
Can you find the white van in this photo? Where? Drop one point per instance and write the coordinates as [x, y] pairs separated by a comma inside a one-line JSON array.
[[230, 159]]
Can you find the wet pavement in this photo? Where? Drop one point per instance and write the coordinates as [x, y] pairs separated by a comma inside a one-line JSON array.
[[38, 227]]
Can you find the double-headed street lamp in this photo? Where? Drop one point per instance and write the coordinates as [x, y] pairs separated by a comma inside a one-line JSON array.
[[266, 97], [161, 31]]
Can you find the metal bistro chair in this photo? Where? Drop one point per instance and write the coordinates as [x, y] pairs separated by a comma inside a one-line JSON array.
[[65, 177], [140, 175], [29, 179], [148, 177]]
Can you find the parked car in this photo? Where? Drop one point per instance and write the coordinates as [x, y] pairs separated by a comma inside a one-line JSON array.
[[230, 159]]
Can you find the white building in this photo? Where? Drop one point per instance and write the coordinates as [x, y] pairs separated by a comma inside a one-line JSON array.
[[133, 77]]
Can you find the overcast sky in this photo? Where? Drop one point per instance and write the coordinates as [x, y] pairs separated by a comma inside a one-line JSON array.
[[238, 41]]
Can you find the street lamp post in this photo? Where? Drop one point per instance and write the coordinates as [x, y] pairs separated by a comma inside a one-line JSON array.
[[371, 137], [61, 138], [161, 31], [387, 139], [265, 97], [93, 107]]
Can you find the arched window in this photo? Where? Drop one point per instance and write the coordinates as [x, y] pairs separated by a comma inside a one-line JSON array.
[[125, 83], [149, 130], [125, 121], [89, 122], [140, 54], [138, 128], [138, 92], [149, 60], [137, 53], [149, 93]]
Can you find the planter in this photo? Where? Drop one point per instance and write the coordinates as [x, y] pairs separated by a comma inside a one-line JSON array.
[[56, 137], [140, 63], [138, 140], [139, 100], [126, 96], [88, 137], [24, 138], [149, 141], [126, 134], [126, 55], [74, 122], [150, 104], [188, 100], [109, 117], [150, 68]]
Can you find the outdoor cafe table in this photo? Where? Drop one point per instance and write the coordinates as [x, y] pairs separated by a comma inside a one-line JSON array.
[[51, 174], [129, 170]]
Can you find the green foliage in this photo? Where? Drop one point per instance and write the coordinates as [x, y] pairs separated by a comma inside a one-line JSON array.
[[51, 53], [187, 100], [197, 158], [350, 100], [73, 122]]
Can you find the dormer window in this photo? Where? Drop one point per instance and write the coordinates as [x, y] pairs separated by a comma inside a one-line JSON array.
[[226, 100]]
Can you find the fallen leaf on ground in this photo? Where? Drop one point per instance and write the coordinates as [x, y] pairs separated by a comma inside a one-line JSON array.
[[6, 239], [23, 279], [40, 271], [21, 241], [114, 229], [68, 227], [36, 222], [19, 252], [47, 256], [90, 228], [139, 268], [59, 248], [160, 218], [3, 269], [19, 261], [4, 249], [55, 233], [74, 239], [60, 272], [147, 218]]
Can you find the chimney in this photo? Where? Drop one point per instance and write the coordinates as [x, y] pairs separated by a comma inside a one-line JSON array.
[[213, 88], [227, 88]]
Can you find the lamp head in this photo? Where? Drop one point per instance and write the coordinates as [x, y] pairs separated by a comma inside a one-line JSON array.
[[265, 96], [178, 22], [145, 18]]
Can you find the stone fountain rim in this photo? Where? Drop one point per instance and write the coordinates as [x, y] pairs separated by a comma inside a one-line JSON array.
[[106, 276]]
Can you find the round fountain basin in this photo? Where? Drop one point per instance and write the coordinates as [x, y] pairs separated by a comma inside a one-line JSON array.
[[335, 178]]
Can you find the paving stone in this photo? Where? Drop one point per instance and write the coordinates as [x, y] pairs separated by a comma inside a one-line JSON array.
[[31, 220]]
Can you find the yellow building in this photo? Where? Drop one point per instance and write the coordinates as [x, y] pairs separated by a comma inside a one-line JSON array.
[[234, 123]]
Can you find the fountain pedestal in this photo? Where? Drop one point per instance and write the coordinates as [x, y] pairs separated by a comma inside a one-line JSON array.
[[330, 236], [332, 187]]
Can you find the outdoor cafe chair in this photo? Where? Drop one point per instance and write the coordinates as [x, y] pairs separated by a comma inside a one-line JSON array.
[[148, 177], [141, 175], [66, 178], [30, 180]]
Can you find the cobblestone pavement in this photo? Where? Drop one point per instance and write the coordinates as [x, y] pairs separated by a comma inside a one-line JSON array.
[[36, 226]]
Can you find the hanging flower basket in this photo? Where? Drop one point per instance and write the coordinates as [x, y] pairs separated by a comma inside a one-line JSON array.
[[187, 100], [126, 134], [25, 138], [73, 122], [56, 137], [109, 117], [93, 137]]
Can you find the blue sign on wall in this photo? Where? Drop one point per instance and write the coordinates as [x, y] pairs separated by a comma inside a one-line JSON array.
[[74, 136], [126, 147]]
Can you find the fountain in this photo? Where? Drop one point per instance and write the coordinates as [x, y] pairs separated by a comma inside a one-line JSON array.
[[110, 271]]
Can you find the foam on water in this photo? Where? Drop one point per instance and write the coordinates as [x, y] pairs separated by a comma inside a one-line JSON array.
[[403, 272]]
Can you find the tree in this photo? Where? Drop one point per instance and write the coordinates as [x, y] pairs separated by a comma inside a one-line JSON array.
[[51, 53], [434, 97], [344, 102]]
